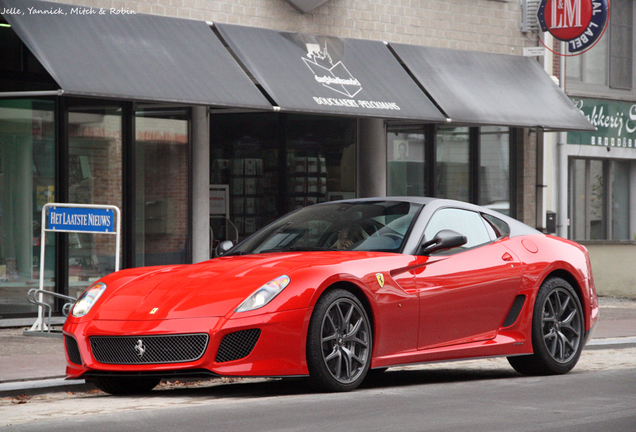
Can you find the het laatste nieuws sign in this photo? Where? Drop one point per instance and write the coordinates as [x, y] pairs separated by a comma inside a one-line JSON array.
[[615, 121], [90, 220]]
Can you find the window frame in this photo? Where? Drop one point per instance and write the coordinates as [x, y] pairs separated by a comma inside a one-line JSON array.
[[579, 88]]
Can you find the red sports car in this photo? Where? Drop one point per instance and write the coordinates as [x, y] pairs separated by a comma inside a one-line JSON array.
[[335, 289]]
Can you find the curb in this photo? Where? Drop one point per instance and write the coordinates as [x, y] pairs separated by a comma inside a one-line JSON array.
[[46, 385], [50, 385], [610, 343]]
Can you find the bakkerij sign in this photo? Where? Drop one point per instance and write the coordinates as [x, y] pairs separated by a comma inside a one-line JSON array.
[[580, 23], [615, 121], [79, 219]]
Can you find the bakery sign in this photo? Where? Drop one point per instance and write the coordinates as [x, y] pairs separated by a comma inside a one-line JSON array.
[[579, 23], [615, 122], [337, 78]]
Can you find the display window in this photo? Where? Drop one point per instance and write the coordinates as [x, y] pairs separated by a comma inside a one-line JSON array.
[[600, 193], [94, 177], [471, 164], [27, 183], [161, 185], [406, 160], [274, 163]]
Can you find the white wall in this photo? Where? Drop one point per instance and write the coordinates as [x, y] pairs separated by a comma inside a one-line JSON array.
[[613, 269]]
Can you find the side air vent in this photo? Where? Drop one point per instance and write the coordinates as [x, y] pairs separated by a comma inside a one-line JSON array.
[[72, 350], [237, 345], [515, 310]]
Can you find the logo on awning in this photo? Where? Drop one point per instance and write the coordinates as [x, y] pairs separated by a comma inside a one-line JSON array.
[[333, 76]]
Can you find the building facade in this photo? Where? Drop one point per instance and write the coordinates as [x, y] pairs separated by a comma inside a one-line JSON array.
[[598, 169], [205, 120]]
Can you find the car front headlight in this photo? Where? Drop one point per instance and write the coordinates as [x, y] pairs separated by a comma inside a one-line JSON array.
[[88, 299], [264, 294]]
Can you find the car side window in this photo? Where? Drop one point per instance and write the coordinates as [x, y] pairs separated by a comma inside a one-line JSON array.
[[465, 222], [502, 228]]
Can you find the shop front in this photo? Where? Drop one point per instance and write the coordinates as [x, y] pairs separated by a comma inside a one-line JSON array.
[[602, 190], [204, 132]]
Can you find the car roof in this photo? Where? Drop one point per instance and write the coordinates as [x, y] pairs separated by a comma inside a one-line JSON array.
[[516, 227]]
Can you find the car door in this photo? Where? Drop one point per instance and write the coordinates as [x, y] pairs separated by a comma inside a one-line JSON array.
[[465, 293]]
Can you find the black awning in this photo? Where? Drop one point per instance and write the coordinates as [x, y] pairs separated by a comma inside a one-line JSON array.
[[496, 89], [329, 75], [131, 56]]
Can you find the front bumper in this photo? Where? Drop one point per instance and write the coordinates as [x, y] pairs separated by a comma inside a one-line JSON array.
[[278, 351]]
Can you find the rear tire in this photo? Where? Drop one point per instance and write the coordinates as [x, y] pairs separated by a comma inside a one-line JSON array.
[[121, 386], [558, 328], [339, 342]]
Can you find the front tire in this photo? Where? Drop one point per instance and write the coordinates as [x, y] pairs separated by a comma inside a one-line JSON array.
[[122, 386], [558, 328], [339, 342]]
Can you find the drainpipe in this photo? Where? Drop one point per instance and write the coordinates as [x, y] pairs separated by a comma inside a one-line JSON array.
[[562, 161]]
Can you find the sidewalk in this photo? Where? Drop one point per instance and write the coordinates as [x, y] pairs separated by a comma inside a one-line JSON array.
[[36, 362]]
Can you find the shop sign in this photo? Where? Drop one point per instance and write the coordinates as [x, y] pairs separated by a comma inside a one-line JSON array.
[[580, 23], [336, 77], [78, 219], [615, 121]]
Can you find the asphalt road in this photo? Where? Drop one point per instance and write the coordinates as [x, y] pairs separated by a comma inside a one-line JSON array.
[[479, 395]]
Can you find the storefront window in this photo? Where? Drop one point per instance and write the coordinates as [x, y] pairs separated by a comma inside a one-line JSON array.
[[578, 199], [405, 156], [161, 186], [27, 178], [599, 199], [620, 200], [94, 177], [246, 160], [272, 164], [452, 167], [494, 169], [321, 159]]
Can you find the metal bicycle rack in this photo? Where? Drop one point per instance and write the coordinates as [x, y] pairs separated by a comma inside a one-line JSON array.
[[35, 296]]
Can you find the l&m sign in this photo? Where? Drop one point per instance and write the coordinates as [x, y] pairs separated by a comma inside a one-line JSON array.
[[80, 219]]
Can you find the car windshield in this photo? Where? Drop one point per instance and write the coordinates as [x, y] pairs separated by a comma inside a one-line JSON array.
[[357, 226]]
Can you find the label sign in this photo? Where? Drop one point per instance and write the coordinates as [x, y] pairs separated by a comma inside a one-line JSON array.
[[580, 23], [90, 220], [615, 121]]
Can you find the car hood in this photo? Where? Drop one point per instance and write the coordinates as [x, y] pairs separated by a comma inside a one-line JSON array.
[[213, 288]]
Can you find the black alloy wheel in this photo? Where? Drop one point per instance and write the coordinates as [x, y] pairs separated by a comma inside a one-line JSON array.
[[339, 342], [558, 327]]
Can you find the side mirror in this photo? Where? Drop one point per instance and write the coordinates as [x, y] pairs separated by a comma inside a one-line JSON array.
[[223, 247], [445, 239]]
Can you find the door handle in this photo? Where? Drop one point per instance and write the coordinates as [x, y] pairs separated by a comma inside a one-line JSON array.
[[507, 257]]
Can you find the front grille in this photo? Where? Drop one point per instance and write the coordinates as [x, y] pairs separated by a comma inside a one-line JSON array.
[[148, 349], [72, 350], [237, 345]]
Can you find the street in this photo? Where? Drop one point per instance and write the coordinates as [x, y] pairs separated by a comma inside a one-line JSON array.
[[477, 395]]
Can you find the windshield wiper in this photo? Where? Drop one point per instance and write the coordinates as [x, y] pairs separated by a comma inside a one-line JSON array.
[[295, 249]]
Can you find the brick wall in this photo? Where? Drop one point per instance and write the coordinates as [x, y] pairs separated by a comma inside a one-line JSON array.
[[477, 25]]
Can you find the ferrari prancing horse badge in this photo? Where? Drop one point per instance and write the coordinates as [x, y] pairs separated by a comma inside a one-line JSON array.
[[380, 278]]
